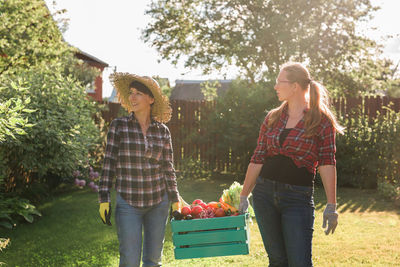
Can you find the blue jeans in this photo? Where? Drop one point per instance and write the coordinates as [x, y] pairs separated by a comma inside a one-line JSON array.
[[285, 217], [130, 221]]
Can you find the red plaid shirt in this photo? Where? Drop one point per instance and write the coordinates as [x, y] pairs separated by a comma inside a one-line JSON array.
[[143, 174], [308, 152]]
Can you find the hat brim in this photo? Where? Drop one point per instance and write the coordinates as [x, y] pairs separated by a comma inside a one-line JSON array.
[[160, 111]]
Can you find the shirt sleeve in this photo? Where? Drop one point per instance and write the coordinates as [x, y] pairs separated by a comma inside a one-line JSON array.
[[327, 145], [110, 158], [168, 168], [261, 149]]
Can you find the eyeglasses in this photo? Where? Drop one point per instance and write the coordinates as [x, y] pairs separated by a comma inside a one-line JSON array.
[[285, 81]]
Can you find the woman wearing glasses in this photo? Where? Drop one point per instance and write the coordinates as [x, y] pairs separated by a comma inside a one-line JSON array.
[[295, 139]]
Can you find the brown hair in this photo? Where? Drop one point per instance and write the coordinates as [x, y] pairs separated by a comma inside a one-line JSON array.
[[319, 100]]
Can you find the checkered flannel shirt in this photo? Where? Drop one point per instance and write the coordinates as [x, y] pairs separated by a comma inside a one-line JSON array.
[[308, 152], [142, 175]]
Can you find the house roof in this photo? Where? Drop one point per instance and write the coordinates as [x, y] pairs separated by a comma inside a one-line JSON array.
[[87, 57], [191, 89]]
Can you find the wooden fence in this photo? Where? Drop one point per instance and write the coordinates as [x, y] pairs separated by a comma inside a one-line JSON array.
[[370, 105], [187, 115]]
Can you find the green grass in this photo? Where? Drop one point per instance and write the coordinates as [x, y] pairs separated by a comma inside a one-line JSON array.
[[70, 233]]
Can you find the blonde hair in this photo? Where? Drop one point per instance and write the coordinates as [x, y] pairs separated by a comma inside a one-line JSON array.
[[319, 100]]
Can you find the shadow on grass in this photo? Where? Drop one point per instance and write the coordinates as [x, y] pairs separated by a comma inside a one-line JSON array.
[[357, 200]]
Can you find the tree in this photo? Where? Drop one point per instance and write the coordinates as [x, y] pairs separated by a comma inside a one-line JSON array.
[[34, 56], [30, 36], [164, 85], [258, 36]]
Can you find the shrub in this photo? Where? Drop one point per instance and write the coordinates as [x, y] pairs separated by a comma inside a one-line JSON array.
[[235, 122], [63, 134], [12, 209], [192, 168], [366, 153], [88, 177]]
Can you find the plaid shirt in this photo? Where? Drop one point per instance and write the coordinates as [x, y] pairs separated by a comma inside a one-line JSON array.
[[143, 175], [308, 152]]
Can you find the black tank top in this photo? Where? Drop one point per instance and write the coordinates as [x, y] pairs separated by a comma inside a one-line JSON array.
[[282, 169]]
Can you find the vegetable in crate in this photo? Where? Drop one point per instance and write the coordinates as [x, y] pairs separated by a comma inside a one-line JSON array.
[[186, 211], [200, 203], [196, 211], [231, 197]]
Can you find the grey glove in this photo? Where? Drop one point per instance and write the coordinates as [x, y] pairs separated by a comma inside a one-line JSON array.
[[244, 204], [330, 216]]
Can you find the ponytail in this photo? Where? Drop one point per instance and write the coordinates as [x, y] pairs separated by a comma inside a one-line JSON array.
[[319, 104]]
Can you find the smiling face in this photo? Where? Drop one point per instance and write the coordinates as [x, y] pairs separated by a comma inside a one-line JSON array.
[[284, 88], [140, 101]]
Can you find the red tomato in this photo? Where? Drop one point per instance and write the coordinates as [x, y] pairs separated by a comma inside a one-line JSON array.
[[185, 211], [220, 212], [196, 211], [197, 202]]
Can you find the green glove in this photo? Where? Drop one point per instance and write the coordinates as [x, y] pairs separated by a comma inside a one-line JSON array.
[[330, 216], [105, 212]]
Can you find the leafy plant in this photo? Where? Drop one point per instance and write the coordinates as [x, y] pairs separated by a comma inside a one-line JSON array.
[[193, 169], [234, 123], [63, 134], [366, 153], [14, 208]]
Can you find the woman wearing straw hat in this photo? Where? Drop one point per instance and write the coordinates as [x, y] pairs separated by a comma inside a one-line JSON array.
[[139, 154], [295, 139]]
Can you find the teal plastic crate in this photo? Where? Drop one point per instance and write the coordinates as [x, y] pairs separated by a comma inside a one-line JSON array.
[[211, 237]]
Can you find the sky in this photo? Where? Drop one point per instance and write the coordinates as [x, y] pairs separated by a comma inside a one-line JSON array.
[[111, 32]]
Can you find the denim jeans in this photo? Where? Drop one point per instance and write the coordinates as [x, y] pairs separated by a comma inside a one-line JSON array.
[[130, 221], [285, 217]]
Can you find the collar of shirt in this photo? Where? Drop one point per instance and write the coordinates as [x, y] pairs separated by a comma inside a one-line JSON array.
[[134, 119]]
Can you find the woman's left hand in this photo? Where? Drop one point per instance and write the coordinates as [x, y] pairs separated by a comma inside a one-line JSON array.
[[330, 216]]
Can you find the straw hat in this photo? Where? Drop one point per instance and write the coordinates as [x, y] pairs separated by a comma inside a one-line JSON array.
[[160, 110]]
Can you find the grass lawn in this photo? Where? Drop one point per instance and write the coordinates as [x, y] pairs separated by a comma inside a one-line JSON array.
[[70, 233]]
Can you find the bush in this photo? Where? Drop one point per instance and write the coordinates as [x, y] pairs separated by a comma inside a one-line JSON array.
[[367, 154], [235, 123], [192, 168], [63, 134]]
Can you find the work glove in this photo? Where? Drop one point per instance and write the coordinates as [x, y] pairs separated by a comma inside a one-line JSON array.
[[176, 206], [175, 211], [105, 212], [243, 204], [330, 216]]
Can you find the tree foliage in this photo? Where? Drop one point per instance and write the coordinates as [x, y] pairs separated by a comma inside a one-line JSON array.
[[63, 132], [40, 75], [30, 36], [258, 36], [235, 121], [13, 113]]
